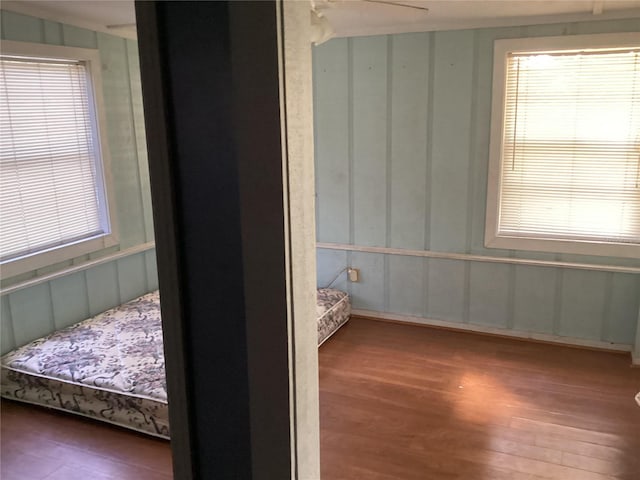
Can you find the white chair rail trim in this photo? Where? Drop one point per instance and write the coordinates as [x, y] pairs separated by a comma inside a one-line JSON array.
[[477, 258]]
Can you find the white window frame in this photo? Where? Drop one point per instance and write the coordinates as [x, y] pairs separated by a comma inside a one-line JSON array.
[[502, 48], [51, 256]]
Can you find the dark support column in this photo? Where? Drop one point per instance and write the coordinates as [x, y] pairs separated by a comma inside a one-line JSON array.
[[212, 112]]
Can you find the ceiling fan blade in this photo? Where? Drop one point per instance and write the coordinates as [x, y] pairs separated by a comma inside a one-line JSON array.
[[120, 26], [397, 4]]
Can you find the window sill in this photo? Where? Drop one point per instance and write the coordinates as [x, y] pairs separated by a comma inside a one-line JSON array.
[[605, 249], [28, 263]]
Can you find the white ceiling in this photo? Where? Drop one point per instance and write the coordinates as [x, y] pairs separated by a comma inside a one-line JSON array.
[[350, 18], [362, 17], [113, 16]]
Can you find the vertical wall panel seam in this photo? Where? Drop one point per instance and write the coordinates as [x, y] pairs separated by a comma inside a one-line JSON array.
[[12, 316], [42, 36], [466, 307], [63, 40], [388, 171], [348, 283], [53, 311], [557, 300], [350, 137], [470, 167], [606, 307], [86, 291], [43, 31], [389, 139], [429, 133], [134, 137], [59, 26], [119, 287], [425, 286], [9, 323], [430, 49], [472, 141], [511, 296], [118, 283], [143, 265], [386, 286], [59, 29], [89, 301], [145, 273]]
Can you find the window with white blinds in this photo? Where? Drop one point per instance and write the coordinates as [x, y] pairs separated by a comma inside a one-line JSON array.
[[52, 192], [568, 178]]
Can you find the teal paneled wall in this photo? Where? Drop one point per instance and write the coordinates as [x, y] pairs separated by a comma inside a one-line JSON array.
[[402, 145], [35, 311], [31, 312]]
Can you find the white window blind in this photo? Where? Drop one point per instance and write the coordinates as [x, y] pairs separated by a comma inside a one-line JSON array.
[[570, 163], [51, 191]]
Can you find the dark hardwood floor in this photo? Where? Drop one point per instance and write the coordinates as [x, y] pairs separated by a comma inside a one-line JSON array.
[[408, 402], [401, 402], [38, 443]]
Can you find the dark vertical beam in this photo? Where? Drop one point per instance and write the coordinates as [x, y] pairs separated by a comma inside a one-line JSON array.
[[259, 152], [212, 112], [165, 212]]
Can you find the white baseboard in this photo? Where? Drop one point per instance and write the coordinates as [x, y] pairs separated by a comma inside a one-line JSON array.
[[469, 327], [635, 359]]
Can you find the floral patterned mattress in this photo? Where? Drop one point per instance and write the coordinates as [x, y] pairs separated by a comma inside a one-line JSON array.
[[111, 367], [333, 310]]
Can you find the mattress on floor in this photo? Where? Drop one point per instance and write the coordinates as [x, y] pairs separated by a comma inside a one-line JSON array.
[[110, 367], [333, 311]]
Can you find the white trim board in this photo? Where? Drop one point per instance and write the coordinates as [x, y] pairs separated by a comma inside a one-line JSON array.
[[143, 247], [467, 327], [477, 258]]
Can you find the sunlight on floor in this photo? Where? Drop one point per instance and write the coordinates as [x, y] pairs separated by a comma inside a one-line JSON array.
[[471, 405]]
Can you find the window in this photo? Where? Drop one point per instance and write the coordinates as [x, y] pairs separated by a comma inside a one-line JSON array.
[[564, 173], [53, 188]]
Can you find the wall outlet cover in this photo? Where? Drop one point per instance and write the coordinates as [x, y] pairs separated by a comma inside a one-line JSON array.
[[354, 274]]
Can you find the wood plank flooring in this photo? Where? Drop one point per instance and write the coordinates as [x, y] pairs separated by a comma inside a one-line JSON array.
[[408, 402], [38, 443], [400, 402]]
